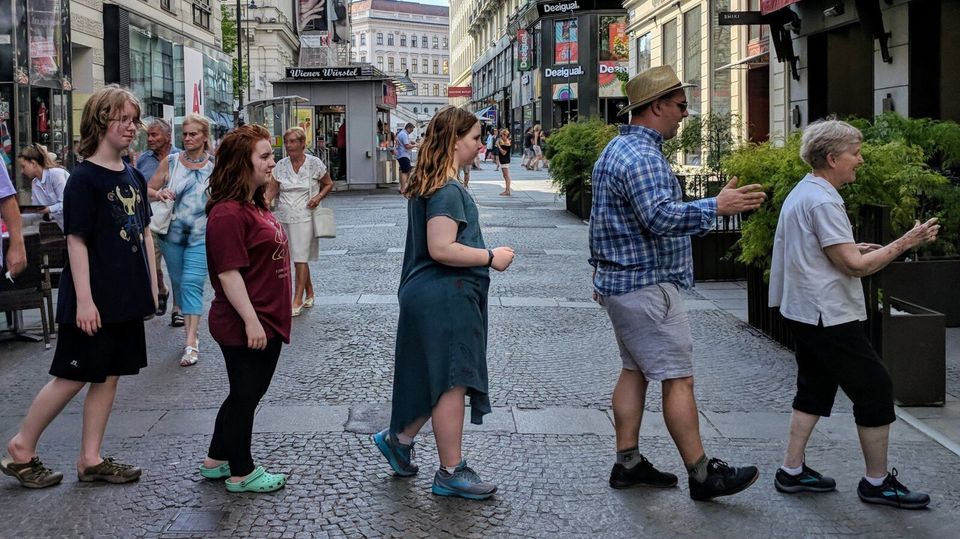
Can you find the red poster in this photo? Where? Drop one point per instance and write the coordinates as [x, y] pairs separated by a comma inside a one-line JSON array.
[[769, 6]]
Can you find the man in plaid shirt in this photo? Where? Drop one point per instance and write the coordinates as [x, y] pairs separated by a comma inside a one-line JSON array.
[[640, 230]]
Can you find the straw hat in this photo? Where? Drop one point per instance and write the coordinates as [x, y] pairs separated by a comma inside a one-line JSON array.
[[653, 83]]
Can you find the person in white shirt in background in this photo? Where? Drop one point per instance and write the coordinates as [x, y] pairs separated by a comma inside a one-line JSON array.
[[47, 181]]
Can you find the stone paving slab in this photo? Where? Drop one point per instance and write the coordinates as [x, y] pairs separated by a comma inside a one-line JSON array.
[[294, 419], [562, 421], [180, 422], [527, 302]]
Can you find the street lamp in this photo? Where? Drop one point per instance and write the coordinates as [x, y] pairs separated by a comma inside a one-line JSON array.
[[252, 5]]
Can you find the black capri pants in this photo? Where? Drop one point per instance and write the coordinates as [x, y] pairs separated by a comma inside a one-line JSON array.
[[841, 356], [249, 372]]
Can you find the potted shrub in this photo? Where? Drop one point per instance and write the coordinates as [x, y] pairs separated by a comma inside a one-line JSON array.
[[573, 150]]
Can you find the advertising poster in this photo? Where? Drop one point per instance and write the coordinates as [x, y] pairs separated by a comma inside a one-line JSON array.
[[305, 122], [44, 39], [312, 16], [614, 56], [565, 91], [565, 42], [193, 80], [523, 50]]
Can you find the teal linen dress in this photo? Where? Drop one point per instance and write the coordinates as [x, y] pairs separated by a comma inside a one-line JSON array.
[[442, 332]]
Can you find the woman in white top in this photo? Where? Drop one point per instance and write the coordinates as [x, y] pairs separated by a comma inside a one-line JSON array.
[[299, 183], [47, 181]]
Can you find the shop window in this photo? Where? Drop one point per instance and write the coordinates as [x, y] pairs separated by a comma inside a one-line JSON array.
[[436, 67], [363, 39], [390, 66], [413, 41], [201, 14], [403, 40], [379, 38], [643, 52], [669, 36], [566, 50], [390, 39]]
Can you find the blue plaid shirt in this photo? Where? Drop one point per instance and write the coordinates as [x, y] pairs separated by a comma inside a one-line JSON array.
[[640, 227]]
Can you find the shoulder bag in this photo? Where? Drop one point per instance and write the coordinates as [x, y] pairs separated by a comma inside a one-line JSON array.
[[323, 224]]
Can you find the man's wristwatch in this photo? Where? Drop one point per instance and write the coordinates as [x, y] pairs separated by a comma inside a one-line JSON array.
[[490, 261]]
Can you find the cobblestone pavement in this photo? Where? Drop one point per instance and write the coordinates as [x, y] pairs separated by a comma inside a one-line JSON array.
[[549, 443]]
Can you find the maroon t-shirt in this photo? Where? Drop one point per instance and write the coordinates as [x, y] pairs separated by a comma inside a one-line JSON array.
[[241, 236]]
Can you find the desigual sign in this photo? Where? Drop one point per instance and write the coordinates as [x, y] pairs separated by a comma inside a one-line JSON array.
[[606, 69], [564, 72], [562, 7]]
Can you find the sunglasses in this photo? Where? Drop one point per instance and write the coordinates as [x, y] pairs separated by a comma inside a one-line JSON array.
[[682, 105]]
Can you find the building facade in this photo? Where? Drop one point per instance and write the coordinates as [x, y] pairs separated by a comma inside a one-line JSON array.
[[167, 51], [463, 51], [406, 40], [271, 43]]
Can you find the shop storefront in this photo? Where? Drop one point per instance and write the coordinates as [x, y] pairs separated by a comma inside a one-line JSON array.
[[172, 74], [35, 80], [346, 112]]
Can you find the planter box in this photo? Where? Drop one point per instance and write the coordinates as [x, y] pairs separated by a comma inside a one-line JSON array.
[[579, 202], [935, 284], [709, 257], [913, 349], [766, 319]]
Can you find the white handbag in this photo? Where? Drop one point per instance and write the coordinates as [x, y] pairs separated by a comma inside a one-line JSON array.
[[162, 216], [323, 223]]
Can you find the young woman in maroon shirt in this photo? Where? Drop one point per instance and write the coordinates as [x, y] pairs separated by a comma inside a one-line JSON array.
[[250, 316]]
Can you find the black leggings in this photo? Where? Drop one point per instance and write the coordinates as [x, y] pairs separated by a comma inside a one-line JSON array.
[[250, 372]]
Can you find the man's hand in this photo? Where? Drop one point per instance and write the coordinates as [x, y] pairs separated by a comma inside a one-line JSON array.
[[922, 233], [16, 260], [733, 200]]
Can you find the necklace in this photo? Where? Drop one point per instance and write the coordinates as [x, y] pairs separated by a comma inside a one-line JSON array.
[[201, 159]]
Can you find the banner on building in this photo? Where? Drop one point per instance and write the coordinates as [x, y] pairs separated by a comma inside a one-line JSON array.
[[769, 6], [330, 16], [565, 42], [524, 51], [565, 91], [193, 80], [614, 56], [459, 91]]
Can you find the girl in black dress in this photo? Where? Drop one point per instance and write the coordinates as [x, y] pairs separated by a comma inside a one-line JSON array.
[[504, 146]]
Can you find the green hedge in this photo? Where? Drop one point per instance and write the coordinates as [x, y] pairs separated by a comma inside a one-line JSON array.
[[573, 150]]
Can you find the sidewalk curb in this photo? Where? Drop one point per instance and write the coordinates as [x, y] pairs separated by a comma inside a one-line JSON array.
[[929, 431]]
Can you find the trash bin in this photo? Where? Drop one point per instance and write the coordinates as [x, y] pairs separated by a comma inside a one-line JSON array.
[[914, 351]]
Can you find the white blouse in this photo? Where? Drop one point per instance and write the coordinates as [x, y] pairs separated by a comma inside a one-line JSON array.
[[296, 188]]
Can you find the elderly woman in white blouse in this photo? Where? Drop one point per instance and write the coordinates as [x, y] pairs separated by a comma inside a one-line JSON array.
[[299, 183]]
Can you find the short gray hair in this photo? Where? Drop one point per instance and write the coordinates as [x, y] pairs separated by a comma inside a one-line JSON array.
[[162, 124], [826, 137]]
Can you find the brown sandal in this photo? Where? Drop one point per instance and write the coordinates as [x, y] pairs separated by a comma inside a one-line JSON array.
[[110, 471], [31, 474]]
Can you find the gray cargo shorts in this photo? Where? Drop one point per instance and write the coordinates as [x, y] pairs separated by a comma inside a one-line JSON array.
[[653, 331]]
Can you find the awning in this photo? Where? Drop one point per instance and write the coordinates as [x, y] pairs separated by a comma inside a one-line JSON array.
[[769, 6], [747, 60]]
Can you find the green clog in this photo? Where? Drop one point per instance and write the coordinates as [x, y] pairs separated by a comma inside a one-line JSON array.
[[219, 472], [258, 481]]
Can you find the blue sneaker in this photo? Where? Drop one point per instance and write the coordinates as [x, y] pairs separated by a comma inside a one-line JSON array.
[[398, 455], [463, 482]]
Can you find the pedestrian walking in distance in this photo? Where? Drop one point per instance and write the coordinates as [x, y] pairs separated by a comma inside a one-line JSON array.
[[441, 351], [108, 286], [250, 316], [640, 230], [815, 282], [504, 147]]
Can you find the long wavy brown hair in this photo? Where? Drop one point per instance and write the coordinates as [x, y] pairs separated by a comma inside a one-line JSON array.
[[230, 179], [436, 162]]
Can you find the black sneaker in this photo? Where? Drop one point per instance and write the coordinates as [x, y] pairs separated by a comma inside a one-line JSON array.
[[809, 480], [722, 480], [892, 493], [643, 474]]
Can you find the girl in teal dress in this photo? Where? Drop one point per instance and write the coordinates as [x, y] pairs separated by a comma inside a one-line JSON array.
[[441, 353]]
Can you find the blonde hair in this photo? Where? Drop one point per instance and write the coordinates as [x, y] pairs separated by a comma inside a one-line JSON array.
[[38, 154], [103, 107], [504, 133], [297, 131], [436, 161], [204, 124]]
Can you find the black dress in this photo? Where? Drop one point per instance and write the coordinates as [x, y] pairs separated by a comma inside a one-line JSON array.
[[504, 153]]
